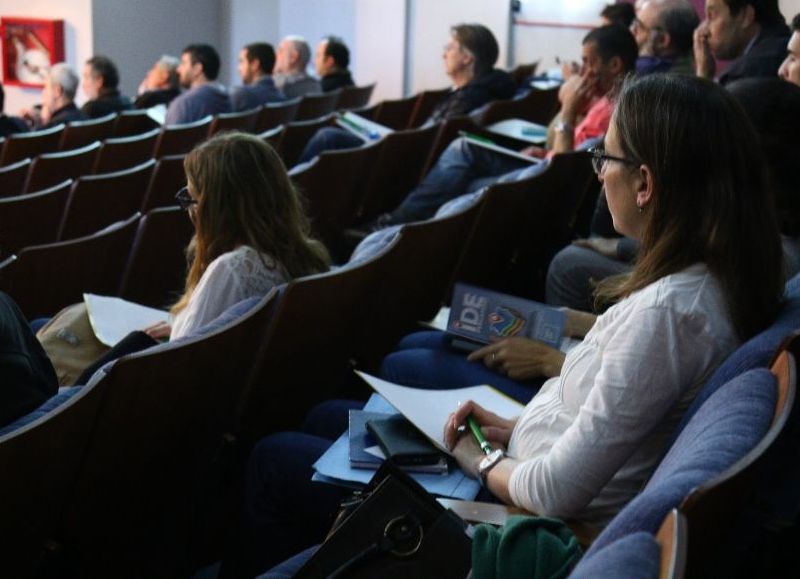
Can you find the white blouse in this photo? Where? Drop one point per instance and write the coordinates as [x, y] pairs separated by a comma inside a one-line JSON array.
[[592, 436], [229, 279]]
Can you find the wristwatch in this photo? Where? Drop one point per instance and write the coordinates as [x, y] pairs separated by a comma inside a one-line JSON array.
[[488, 463], [563, 127]]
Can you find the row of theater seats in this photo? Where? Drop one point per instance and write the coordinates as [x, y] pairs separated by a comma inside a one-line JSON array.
[[343, 188], [126, 477], [72, 209]]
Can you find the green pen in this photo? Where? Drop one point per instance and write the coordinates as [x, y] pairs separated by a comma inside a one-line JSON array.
[[478, 434]]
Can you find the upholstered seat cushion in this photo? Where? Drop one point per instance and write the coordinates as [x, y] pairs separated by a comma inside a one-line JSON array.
[[731, 422], [635, 556]]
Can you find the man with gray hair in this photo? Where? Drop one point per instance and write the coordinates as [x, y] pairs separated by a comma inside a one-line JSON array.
[[663, 30], [160, 85], [58, 98], [289, 74]]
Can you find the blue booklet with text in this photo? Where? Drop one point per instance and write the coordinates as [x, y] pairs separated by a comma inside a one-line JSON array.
[[479, 316]]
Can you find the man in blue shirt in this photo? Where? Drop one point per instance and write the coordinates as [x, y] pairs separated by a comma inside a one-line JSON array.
[[198, 72], [255, 68]]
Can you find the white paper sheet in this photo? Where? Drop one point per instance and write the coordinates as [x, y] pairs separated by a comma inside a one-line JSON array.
[[114, 318], [521, 130], [428, 409]]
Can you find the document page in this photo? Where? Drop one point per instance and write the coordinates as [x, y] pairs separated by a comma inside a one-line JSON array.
[[428, 409], [114, 318]]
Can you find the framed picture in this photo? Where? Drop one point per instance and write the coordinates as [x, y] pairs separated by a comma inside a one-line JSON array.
[[29, 47]]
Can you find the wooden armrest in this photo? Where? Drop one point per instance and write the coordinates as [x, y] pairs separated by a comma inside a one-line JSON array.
[[498, 514]]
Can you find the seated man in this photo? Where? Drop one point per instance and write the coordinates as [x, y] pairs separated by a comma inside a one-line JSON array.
[[608, 54], [197, 72], [289, 73], [469, 60], [790, 69], [100, 81], [58, 99], [160, 85], [752, 33], [256, 61], [8, 124], [663, 30], [331, 61]]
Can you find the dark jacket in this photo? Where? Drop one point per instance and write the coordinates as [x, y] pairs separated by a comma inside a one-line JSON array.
[[27, 377], [109, 101], [763, 59], [152, 98], [65, 114], [10, 125], [334, 80], [494, 85], [261, 92]]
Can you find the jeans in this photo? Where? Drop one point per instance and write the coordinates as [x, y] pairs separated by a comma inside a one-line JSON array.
[[458, 166], [572, 272], [423, 360], [329, 139], [285, 511]]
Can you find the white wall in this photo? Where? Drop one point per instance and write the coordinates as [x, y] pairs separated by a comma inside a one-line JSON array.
[[789, 8], [243, 22], [549, 30], [430, 31], [77, 16], [380, 34], [134, 34]]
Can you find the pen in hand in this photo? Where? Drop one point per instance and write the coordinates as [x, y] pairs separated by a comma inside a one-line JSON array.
[[478, 434]]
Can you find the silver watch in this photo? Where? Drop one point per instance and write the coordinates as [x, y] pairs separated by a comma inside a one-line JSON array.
[[488, 463]]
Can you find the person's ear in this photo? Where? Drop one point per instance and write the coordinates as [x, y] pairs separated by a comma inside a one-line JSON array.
[[615, 65], [645, 190], [747, 15], [662, 41]]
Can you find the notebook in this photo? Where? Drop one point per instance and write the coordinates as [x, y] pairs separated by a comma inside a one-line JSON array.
[[479, 316]]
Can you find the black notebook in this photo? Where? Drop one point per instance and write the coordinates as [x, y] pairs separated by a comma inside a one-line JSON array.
[[402, 442]]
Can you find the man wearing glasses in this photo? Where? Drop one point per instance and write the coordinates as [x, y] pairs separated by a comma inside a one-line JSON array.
[[663, 31]]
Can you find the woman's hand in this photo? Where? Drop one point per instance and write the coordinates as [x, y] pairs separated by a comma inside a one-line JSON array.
[[159, 331], [520, 358], [496, 429]]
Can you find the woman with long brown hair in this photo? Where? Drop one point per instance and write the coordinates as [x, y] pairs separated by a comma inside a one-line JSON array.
[[251, 232]]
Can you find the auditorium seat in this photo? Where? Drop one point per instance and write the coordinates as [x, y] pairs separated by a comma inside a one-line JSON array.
[[333, 185], [80, 133], [168, 177], [180, 139], [121, 153], [396, 114], [32, 219], [448, 131], [43, 279], [396, 171], [296, 134], [244, 121], [354, 97], [13, 177], [538, 106], [134, 122], [49, 169], [427, 100], [156, 269], [23, 145], [523, 72], [276, 114], [315, 106], [96, 201]]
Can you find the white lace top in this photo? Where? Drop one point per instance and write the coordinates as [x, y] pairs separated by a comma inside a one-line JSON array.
[[229, 279]]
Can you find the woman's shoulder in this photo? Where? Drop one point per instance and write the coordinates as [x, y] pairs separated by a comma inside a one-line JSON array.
[[247, 262]]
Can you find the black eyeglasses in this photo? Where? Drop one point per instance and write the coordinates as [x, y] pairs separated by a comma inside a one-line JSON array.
[[599, 159], [184, 199]]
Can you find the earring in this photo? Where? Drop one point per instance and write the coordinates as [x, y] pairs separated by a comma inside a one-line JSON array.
[[640, 208]]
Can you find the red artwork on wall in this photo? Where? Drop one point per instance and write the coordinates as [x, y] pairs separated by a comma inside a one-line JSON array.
[[30, 46]]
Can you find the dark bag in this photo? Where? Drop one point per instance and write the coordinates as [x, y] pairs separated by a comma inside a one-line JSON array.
[[396, 530]]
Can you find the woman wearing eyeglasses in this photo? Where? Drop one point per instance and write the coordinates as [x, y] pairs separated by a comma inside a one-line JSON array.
[[251, 232], [682, 175]]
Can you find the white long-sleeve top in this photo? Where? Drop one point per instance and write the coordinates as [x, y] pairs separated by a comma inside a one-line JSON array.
[[592, 436], [229, 279]]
